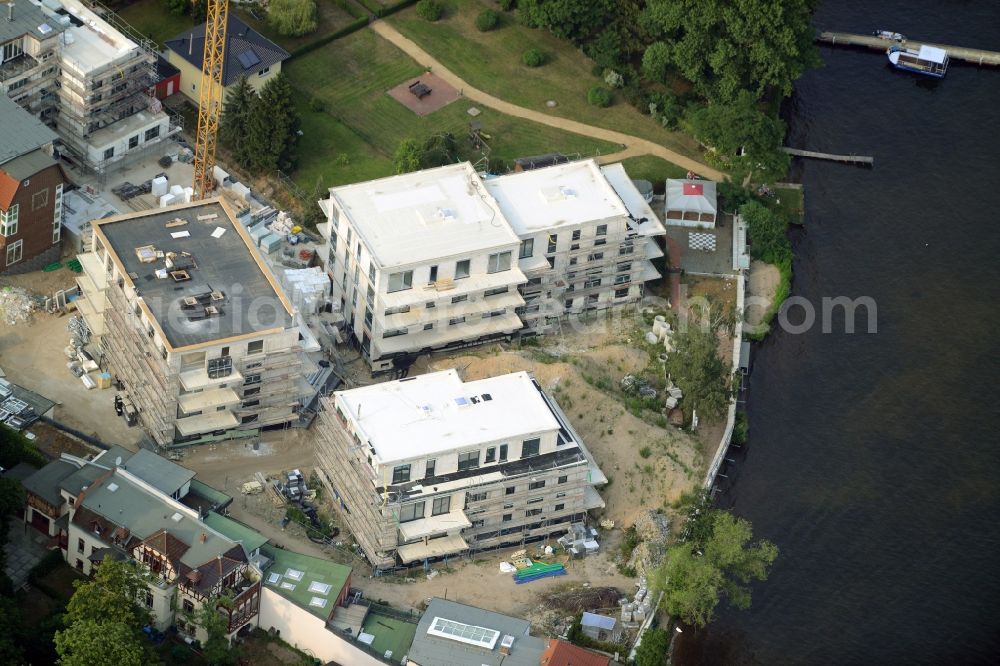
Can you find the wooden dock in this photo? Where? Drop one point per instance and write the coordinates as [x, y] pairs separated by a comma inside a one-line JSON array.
[[973, 56], [863, 160]]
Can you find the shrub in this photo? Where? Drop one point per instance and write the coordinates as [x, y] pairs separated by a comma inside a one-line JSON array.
[[599, 96], [430, 10], [533, 58], [741, 429], [507, 5], [645, 452], [292, 18], [487, 20], [613, 78]]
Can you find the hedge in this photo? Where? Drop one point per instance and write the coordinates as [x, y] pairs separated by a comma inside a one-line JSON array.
[[352, 27]]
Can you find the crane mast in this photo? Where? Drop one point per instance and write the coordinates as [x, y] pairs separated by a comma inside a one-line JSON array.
[[210, 97]]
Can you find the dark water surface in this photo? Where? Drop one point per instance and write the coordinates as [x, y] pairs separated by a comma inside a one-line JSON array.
[[874, 460]]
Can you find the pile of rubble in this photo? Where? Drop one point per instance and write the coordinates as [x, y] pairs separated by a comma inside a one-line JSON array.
[[653, 530], [16, 305]]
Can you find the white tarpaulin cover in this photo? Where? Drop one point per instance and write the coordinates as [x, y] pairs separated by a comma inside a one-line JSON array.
[[932, 54]]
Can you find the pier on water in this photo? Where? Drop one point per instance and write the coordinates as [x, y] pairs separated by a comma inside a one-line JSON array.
[[973, 56], [863, 160]]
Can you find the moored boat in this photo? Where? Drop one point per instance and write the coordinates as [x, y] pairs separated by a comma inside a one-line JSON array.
[[889, 35], [929, 60]]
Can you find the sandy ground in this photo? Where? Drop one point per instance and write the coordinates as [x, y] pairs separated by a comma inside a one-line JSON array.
[[761, 287]]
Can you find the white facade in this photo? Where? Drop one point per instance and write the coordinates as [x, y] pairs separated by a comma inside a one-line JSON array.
[[587, 237], [430, 466], [421, 261]]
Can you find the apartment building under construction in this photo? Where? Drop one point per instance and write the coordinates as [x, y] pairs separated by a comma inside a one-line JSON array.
[[193, 324], [431, 466], [86, 74], [588, 238]]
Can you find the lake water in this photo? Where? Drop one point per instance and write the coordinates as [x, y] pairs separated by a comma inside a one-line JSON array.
[[874, 461]]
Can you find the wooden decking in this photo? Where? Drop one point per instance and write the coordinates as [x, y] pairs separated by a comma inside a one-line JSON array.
[[973, 56]]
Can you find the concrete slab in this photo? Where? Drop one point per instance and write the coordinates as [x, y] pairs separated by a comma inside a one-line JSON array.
[[442, 94], [25, 548], [695, 261]]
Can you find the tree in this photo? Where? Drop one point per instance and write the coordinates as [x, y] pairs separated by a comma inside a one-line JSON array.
[[741, 134], [216, 648], [292, 18], [653, 649], [94, 643], [718, 561], [430, 10], [235, 122], [487, 20], [407, 156], [698, 370], [575, 20], [11, 497], [272, 132], [599, 96], [112, 596], [656, 61], [721, 46], [768, 233], [10, 628]]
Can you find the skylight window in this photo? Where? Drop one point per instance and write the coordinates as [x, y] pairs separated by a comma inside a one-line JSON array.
[[287, 586], [294, 574], [318, 602], [317, 586], [112, 487], [273, 578], [176, 517], [464, 633]]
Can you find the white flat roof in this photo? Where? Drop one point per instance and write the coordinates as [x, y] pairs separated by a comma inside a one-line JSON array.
[[630, 195], [932, 54], [559, 195], [425, 215], [427, 414], [95, 43]]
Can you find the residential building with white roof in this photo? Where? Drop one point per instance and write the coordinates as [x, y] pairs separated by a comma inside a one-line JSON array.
[[422, 261], [431, 466], [587, 238]]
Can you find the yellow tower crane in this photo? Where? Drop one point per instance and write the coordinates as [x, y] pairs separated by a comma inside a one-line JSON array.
[[210, 97]]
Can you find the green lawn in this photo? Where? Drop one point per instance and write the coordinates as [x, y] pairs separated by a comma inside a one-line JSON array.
[[330, 17], [790, 201], [654, 169], [491, 61], [350, 76], [151, 18]]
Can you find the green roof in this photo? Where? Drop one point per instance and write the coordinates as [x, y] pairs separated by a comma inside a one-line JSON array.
[[213, 495], [302, 579], [237, 531], [390, 633]]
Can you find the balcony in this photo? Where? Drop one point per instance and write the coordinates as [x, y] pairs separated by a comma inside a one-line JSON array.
[[192, 380], [453, 521], [196, 425], [444, 334], [92, 311], [440, 547], [16, 67], [208, 399], [93, 268]]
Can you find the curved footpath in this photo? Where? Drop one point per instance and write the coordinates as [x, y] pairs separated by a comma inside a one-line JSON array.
[[634, 146]]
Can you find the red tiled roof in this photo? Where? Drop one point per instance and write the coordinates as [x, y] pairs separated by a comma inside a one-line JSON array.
[[167, 545], [8, 188], [562, 653]]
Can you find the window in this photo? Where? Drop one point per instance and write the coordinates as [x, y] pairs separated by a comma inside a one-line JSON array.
[[12, 49], [600, 241], [622, 279], [503, 453], [596, 256], [560, 495], [509, 490], [532, 512], [81, 546], [40, 199], [400, 281], [429, 327], [400, 474], [255, 347], [462, 269], [251, 379], [152, 133], [441, 505], [477, 497], [149, 599], [394, 332], [625, 249], [14, 252], [530, 447], [187, 606], [456, 320], [79, 564], [109, 153], [391, 311], [527, 248], [251, 403], [498, 262], [368, 317], [572, 261], [494, 313], [495, 292], [255, 390], [576, 235], [535, 500], [478, 523], [593, 298], [560, 507], [8, 220], [491, 454], [591, 283], [410, 512], [621, 293], [507, 517], [602, 230], [535, 485], [371, 272], [553, 241], [429, 467], [429, 305], [624, 267], [468, 460], [264, 72], [563, 479], [433, 274], [20, 83], [459, 299], [133, 141], [552, 261]]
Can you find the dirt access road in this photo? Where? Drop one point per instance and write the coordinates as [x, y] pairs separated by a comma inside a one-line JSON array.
[[634, 146]]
